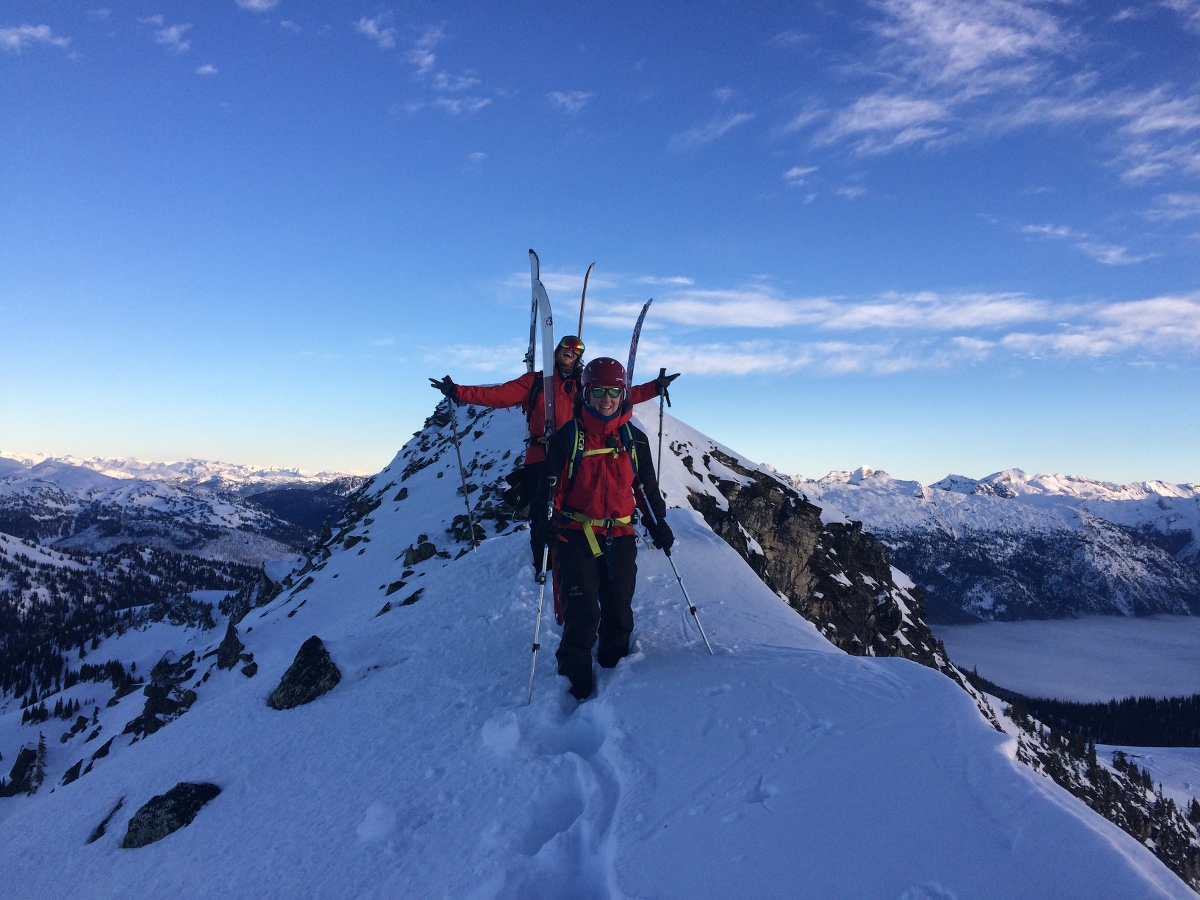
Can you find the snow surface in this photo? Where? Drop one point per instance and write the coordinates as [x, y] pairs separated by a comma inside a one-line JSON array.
[[779, 767], [1176, 769], [1093, 659]]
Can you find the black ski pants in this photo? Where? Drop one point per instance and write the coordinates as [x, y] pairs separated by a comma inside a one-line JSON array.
[[537, 491], [597, 596]]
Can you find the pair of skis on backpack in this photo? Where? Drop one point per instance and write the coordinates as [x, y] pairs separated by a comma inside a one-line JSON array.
[[541, 318]]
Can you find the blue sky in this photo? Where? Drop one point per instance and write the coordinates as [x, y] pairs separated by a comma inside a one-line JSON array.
[[918, 235]]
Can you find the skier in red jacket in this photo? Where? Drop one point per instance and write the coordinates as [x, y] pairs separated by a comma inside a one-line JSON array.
[[605, 471], [525, 391]]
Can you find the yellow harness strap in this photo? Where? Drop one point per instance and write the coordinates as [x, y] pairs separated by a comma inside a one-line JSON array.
[[590, 524]]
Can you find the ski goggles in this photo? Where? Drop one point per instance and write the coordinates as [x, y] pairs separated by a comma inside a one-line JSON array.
[[571, 344], [613, 392]]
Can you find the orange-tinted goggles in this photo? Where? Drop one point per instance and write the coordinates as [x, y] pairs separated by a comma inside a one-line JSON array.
[[572, 345]]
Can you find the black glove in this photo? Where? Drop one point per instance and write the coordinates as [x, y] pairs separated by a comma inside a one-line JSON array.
[[663, 381], [446, 386], [662, 535]]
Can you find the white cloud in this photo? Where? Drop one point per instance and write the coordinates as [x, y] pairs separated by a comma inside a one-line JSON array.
[[378, 30], [1101, 251], [457, 106], [207, 70], [884, 122], [923, 311], [14, 40], [1172, 207], [422, 55], [1189, 10], [444, 83], [572, 101], [797, 176], [949, 41], [709, 132], [675, 280], [257, 5], [169, 36]]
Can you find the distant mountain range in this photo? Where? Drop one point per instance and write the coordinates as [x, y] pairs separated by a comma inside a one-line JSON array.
[[211, 509], [1017, 546]]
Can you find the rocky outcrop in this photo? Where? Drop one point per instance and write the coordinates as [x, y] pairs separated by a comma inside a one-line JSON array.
[[167, 813], [230, 651], [311, 674], [837, 576], [21, 776], [166, 698]]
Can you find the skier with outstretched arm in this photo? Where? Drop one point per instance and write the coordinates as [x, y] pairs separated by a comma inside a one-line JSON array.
[[605, 471], [525, 392]]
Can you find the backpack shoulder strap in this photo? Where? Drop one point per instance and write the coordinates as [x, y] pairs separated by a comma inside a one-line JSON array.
[[534, 392]]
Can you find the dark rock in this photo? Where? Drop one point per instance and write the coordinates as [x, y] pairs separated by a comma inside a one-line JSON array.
[[837, 576], [72, 773], [311, 674], [250, 669], [99, 830], [165, 699], [20, 777], [231, 648], [167, 813]]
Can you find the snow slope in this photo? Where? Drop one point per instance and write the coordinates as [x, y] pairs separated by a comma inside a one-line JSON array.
[[779, 767]]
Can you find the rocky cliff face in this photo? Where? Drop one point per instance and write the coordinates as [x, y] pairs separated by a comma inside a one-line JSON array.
[[835, 575]]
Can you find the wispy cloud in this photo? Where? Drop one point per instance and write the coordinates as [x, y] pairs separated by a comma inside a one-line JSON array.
[[956, 70], [712, 130], [883, 122], [797, 176], [1189, 11], [928, 311], [571, 101], [378, 29], [1159, 325], [1173, 207], [207, 70], [170, 36], [454, 94], [821, 358], [421, 55], [14, 40], [674, 280], [257, 5], [1100, 251], [458, 106]]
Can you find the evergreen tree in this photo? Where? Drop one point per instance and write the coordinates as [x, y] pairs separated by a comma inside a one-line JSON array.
[[39, 765]]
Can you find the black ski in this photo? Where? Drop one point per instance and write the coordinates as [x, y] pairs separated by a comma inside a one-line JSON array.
[[633, 344]]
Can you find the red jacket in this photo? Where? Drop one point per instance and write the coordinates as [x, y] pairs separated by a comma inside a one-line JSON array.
[[517, 393], [603, 483]]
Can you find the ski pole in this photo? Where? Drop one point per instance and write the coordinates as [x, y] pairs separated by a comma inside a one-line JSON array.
[[662, 396], [537, 628], [691, 605], [462, 473]]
